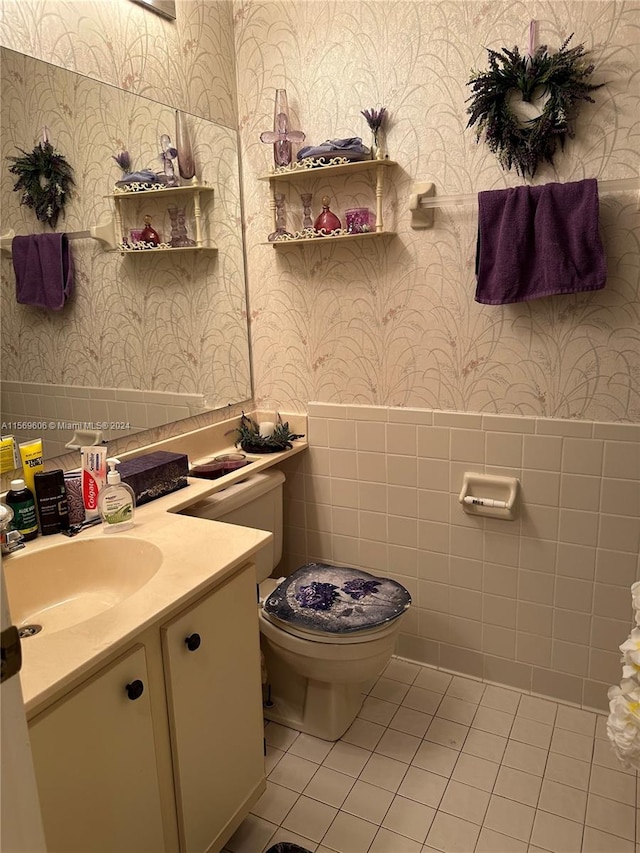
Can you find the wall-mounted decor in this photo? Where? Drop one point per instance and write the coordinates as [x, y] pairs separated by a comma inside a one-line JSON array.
[[166, 8], [560, 77], [375, 120], [281, 136], [45, 180]]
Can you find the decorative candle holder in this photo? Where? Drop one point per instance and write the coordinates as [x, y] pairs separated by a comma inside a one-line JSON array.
[[179, 238], [281, 220], [360, 220], [306, 199]]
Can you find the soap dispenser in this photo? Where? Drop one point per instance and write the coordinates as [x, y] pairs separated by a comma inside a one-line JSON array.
[[117, 502]]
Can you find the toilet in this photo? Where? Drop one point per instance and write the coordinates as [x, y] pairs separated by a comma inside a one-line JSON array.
[[325, 631]]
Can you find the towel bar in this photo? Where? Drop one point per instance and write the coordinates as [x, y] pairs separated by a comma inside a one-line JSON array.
[[423, 200], [104, 231]]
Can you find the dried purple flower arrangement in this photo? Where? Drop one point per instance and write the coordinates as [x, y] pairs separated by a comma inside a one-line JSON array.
[[123, 159], [375, 120]]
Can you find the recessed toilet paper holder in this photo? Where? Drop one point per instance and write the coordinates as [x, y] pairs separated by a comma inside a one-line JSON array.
[[489, 495]]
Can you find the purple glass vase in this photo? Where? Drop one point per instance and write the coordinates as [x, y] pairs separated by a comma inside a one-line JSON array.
[[186, 164]]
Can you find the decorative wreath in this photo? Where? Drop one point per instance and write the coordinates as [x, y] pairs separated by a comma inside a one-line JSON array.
[[250, 440], [45, 180], [562, 76]]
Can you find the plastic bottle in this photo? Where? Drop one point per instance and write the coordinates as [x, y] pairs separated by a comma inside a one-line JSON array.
[[51, 500], [117, 502], [23, 504]]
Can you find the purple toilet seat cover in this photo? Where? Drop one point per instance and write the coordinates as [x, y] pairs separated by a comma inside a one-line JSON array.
[[336, 599]]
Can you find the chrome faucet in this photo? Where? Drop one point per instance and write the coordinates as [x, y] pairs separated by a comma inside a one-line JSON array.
[[10, 540]]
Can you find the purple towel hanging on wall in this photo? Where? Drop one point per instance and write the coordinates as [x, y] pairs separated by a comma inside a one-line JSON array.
[[538, 241], [44, 270]]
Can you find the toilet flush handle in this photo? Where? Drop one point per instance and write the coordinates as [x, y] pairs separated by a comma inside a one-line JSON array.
[[193, 642]]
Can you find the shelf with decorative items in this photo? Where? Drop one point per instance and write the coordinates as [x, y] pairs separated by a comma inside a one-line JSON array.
[[146, 239], [360, 222]]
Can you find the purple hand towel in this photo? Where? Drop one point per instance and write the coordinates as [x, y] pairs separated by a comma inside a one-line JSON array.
[[538, 241], [44, 270]]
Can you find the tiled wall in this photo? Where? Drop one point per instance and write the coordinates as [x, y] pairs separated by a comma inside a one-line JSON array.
[[541, 603], [55, 412]]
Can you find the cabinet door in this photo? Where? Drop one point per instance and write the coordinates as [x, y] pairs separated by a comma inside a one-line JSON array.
[[212, 666], [94, 758]]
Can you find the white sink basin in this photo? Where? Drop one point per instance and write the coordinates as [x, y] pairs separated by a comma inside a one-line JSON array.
[[62, 585]]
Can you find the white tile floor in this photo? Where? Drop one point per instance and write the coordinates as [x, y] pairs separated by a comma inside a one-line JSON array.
[[436, 762]]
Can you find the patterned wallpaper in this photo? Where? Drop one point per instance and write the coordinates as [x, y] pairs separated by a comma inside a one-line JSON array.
[[393, 321], [186, 63]]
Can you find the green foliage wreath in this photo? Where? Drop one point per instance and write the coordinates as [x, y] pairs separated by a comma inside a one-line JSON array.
[[250, 440], [45, 180], [561, 76]]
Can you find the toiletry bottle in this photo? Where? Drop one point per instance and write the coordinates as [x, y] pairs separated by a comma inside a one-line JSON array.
[[51, 500], [32, 461], [117, 502], [23, 504]]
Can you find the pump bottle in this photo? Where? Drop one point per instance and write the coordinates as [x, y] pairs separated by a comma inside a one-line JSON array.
[[117, 502]]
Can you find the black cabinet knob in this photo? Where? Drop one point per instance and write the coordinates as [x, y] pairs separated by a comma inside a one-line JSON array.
[[193, 642], [135, 689]]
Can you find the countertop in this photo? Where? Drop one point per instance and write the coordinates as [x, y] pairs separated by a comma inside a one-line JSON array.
[[198, 554]]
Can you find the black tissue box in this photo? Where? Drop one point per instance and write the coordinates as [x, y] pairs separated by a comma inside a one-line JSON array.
[[154, 475]]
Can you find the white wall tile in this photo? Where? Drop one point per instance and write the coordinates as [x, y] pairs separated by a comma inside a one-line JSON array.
[[542, 452], [504, 449], [371, 436], [402, 439], [433, 442], [512, 599], [580, 492], [582, 456]]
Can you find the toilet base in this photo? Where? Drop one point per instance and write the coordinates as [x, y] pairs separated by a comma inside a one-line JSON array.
[[326, 710], [320, 708]]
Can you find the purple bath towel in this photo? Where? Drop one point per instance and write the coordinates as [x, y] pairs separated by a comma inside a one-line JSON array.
[[44, 270], [538, 241]]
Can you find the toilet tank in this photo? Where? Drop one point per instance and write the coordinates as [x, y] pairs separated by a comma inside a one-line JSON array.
[[255, 502]]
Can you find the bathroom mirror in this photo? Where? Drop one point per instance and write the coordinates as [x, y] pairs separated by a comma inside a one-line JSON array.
[[166, 8], [146, 338]]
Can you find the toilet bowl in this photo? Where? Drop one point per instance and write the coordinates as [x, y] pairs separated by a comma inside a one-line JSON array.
[[325, 631]]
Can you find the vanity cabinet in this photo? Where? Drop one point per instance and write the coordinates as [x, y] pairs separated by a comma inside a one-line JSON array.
[[161, 750], [95, 764], [301, 173], [212, 669]]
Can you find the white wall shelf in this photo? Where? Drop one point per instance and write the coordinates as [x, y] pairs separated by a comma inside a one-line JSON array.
[[310, 169], [189, 192], [316, 238]]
